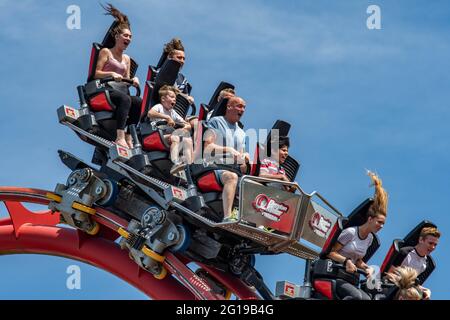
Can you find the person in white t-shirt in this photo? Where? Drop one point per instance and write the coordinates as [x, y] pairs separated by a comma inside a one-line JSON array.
[[353, 242], [416, 257], [165, 111]]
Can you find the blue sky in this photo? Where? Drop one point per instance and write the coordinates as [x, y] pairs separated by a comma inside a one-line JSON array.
[[357, 99]]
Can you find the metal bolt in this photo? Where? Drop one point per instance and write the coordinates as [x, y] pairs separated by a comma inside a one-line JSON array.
[[72, 180], [171, 236], [155, 269], [99, 190]]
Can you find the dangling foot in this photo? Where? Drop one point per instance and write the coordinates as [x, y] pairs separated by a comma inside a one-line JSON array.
[[120, 140], [177, 167], [129, 140]]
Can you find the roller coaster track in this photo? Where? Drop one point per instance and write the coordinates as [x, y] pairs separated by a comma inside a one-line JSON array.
[[29, 232]]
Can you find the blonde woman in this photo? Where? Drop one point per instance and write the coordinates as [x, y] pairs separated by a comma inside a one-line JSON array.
[[353, 242], [405, 279]]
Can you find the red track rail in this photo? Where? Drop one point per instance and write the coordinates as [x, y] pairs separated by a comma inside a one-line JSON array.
[[37, 232]]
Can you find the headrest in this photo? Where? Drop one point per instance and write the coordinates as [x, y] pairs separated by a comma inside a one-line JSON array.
[[412, 238], [109, 40], [220, 108], [167, 74], [291, 167], [359, 215], [222, 85], [182, 105], [283, 128], [162, 59]]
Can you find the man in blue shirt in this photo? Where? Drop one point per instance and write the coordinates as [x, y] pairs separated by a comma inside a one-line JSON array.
[[226, 137]]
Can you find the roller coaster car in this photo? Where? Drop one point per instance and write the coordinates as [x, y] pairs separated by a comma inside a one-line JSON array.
[[321, 274], [96, 114], [166, 214]]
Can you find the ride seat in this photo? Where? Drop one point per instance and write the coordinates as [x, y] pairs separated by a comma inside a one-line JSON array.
[[396, 254], [98, 97], [206, 108], [291, 166], [156, 78], [325, 278], [357, 218]]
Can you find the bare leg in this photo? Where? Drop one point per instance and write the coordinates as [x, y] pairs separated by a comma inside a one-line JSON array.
[[229, 180], [193, 122], [187, 149], [174, 148], [129, 140], [120, 140]]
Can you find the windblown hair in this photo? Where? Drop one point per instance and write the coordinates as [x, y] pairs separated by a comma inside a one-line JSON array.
[[165, 89], [379, 206], [174, 44], [284, 141], [430, 231], [122, 20], [226, 92], [405, 279]]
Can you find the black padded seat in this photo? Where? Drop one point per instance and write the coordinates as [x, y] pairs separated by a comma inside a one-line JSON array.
[[220, 108], [107, 42], [356, 218], [291, 166], [213, 101], [165, 76], [182, 106], [396, 254]]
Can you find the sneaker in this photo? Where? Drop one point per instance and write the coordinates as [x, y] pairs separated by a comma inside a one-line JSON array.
[[177, 167], [235, 213], [229, 219], [266, 229]]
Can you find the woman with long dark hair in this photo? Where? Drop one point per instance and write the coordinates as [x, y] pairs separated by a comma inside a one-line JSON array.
[[112, 62]]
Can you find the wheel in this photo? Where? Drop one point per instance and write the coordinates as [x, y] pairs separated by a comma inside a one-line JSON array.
[[162, 274], [152, 254], [239, 262], [228, 294], [185, 239], [111, 194], [94, 230]]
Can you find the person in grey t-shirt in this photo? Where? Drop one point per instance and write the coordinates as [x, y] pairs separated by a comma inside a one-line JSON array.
[[226, 137], [416, 257]]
